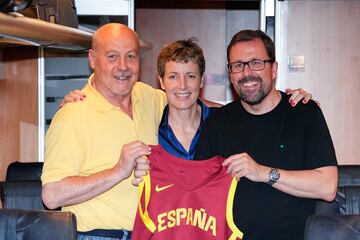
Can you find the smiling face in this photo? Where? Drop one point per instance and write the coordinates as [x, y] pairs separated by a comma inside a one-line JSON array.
[[115, 60], [252, 86], [182, 83]]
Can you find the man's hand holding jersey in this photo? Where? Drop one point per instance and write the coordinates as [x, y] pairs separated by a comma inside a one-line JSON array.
[[141, 169], [242, 165]]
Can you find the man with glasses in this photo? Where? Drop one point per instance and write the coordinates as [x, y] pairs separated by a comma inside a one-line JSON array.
[[283, 157]]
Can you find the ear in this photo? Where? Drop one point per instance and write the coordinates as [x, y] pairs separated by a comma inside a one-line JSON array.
[[161, 83], [92, 58], [274, 70], [202, 81]]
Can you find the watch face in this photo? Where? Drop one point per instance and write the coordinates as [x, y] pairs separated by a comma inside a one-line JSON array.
[[274, 175]]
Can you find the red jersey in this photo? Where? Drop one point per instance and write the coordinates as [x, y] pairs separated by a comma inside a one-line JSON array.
[[182, 199]]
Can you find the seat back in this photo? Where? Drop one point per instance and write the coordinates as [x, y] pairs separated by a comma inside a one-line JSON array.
[[22, 188], [347, 200], [18, 224], [332, 227], [22, 195], [349, 175], [24, 171]]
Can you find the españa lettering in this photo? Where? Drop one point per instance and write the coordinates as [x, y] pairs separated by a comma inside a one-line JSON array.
[[189, 216]]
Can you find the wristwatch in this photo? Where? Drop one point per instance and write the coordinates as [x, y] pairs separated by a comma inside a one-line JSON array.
[[274, 176]]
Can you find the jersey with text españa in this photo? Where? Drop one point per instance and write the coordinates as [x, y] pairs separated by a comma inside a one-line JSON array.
[[182, 199]]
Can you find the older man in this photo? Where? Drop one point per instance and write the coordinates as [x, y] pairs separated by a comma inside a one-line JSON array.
[[91, 146]]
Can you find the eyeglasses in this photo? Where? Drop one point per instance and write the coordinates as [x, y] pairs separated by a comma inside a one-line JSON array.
[[254, 65]]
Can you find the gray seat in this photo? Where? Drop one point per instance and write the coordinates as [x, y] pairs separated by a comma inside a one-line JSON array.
[[22, 195], [349, 175], [22, 188], [332, 227], [347, 200], [339, 219], [18, 224], [24, 171]]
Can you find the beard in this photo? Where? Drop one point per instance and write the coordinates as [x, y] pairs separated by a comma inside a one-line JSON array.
[[253, 97]]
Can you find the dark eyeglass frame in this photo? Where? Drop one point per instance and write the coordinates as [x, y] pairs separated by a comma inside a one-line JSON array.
[[264, 61]]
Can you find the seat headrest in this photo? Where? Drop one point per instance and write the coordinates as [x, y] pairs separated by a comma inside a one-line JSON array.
[[24, 171], [349, 175]]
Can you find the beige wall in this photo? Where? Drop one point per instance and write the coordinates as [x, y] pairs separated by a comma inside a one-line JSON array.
[[327, 34]]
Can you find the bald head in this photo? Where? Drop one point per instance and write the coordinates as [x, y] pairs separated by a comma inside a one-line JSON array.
[[113, 32], [115, 60]]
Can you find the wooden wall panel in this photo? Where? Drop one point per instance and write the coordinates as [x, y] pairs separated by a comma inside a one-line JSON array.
[[19, 106], [327, 34]]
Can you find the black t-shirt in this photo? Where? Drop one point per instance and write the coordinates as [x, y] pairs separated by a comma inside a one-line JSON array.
[[290, 138]]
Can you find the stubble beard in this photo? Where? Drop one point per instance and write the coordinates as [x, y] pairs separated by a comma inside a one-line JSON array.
[[256, 96]]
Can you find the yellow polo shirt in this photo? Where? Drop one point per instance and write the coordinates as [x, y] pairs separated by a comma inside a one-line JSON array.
[[87, 137]]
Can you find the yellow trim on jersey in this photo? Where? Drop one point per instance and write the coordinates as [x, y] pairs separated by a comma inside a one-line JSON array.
[[236, 233], [145, 214]]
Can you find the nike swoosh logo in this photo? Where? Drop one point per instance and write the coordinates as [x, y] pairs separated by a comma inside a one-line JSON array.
[[159, 189]]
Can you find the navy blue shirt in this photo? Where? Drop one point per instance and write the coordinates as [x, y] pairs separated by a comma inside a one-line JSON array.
[[168, 140]]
